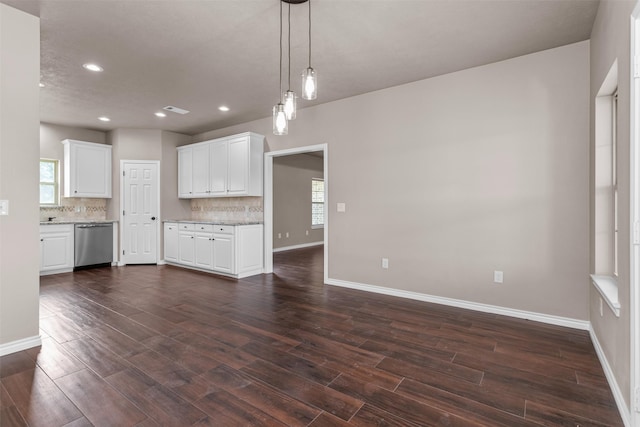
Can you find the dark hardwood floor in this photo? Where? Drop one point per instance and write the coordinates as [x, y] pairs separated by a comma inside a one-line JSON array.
[[148, 345]]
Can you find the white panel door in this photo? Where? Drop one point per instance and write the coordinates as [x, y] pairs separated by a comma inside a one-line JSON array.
[[204, 250], [201, 171], [223, 253], [56, 251], [219, 168], [92, 169], [238, 172], [140, 210], [185, 171]]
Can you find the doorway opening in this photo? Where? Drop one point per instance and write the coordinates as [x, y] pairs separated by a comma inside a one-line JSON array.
[[295, 208]]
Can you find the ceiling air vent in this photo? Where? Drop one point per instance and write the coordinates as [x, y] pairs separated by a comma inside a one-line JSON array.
[[175, 109]]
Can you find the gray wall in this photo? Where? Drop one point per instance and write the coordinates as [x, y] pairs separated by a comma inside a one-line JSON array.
[[19, 171], [292, 199], [610, 40], [456, 176]]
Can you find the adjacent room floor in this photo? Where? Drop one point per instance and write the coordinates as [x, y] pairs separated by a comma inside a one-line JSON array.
[[148, 345]]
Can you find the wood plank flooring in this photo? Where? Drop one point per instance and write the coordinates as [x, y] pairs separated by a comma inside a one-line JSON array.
[[160, 345]]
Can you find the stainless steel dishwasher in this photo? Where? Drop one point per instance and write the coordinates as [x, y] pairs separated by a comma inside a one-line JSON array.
[[93, 244]]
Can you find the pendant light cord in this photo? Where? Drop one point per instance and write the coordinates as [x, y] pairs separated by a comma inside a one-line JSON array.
[[309, 33], [280, 52], [289, 44]]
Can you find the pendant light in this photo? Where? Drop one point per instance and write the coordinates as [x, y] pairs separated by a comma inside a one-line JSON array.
[[309, 78], [280, 125], [289, 95]]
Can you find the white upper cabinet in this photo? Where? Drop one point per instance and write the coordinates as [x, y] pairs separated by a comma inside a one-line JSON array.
[[87, 169], [224, 167]]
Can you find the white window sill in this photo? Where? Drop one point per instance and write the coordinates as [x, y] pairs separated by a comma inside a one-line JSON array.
[[608, 288], [315, 227]]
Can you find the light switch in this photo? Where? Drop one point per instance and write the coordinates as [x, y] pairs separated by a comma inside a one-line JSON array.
[[342, 207], [4, 207]]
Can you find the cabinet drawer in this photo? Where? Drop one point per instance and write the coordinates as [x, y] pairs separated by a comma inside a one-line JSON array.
[[189, 227], [204, 227], [170, 226], [223, 229]]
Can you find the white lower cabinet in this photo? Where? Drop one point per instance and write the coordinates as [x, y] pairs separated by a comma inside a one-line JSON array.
[[56, 248], [223, 253], [233, 250], [186, 244], [204, 250], [171, 242]]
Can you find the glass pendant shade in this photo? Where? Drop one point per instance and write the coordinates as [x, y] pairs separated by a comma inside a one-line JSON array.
[[290, 104], [280, 125], [309, 84]]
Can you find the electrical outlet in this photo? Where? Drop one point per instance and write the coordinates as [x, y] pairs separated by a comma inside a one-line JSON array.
[[307, 232], [341, 207], [498, 276], [286, 234], [4, 207], [385, 263], [279, 235]]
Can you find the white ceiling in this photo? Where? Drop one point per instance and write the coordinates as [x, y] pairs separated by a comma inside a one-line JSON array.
[[199, 54]]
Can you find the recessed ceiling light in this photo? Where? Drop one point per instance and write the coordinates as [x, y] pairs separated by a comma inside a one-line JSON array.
[[160, 114], [93, 67], [223, 108], [41, 84], [104, 119]]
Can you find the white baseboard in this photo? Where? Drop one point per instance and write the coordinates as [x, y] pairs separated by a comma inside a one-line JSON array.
[[19, 345], [611, 379], [486, 308], [303, 245], [161, 262]]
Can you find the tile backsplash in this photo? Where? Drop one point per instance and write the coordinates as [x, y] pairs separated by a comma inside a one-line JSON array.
[[227, 209], [75, 208]]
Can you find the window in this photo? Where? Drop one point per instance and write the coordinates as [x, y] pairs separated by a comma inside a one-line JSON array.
[[48, 182], [317, 203]]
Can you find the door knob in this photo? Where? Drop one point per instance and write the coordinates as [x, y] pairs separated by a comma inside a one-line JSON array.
[[153, 218]]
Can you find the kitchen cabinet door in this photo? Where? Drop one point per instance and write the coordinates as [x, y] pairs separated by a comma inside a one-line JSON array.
[[223, 253], [185, 172], [87, 169], [219, 167], [200, 171], [171, 242], [204, 250], [238, 166], [187, 248], [56, 248]]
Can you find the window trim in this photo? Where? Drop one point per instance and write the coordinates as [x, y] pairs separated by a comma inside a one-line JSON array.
[[55, 184]]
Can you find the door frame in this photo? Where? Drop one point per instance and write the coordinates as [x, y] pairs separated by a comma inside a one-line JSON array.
[[122, 258], [634, 159], [268, 201]]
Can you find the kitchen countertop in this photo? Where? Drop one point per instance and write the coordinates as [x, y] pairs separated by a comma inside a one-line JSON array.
[[213, 222], [79, 221]]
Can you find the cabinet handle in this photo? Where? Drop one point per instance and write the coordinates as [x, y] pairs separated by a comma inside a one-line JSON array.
[[42, 240], [75, 191]]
